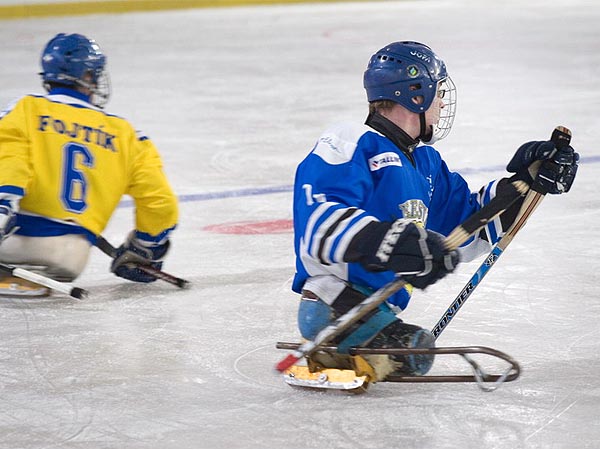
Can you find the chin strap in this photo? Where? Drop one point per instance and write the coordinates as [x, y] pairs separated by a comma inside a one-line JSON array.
[[425, 133]]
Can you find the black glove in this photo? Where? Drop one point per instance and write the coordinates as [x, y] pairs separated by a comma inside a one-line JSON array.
[[526, 155], [405, 248], [558, 169], [556, 175], [134, 253]]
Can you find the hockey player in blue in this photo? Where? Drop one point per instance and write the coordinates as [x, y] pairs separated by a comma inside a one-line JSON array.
[[370, 203]]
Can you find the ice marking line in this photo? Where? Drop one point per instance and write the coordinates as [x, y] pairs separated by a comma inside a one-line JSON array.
[[556, 416], [252, 227], [185, 198], [237, 369], [223, 194]]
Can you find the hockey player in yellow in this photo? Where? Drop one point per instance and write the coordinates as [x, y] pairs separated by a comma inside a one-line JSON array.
[[65, 163]]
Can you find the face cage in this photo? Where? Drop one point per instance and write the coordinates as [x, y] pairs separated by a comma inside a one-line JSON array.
[[101, 91], [447, 89]]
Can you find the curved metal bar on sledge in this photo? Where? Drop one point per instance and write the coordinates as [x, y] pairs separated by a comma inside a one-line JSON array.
[[480, 377]]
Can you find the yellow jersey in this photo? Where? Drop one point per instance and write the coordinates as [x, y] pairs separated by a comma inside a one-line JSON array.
[[72, 163]]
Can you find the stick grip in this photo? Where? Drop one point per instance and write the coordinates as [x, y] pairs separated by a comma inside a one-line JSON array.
[[561, 136]]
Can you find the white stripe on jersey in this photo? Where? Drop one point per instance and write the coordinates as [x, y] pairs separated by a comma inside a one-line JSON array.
[[349, 232], [321, 232], [490, 191], [312, 220], [324, 236], [68, 100], [349, 235]]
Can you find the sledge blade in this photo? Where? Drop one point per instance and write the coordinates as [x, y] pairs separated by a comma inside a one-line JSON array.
[[337, 379]]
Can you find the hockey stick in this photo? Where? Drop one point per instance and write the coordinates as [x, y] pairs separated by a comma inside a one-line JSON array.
[[108, 249], [65, 288], [561, 137], [459, 235]]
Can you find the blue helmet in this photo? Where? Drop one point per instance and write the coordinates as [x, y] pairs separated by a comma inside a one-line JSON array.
[[412, 75], [403, 71], [75, 60]]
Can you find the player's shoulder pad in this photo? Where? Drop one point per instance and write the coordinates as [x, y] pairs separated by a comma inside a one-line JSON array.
[[338, 143]]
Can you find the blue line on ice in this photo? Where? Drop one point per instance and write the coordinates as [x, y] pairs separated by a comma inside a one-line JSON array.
[[289, 188]]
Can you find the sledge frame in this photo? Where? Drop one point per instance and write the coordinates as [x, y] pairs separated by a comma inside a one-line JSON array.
[[487, 382]]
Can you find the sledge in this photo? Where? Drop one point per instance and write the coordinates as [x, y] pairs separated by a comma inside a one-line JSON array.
[[361, 375]]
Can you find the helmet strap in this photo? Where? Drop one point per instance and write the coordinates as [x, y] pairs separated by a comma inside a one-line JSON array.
[[425, 132]]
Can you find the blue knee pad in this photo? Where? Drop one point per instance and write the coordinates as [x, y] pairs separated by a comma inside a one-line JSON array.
[[313, 316]]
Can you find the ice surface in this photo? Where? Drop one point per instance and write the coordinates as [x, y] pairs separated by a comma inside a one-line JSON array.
[[234, 98]]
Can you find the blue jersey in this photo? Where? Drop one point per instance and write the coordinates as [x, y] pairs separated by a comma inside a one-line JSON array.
[[355, 175]]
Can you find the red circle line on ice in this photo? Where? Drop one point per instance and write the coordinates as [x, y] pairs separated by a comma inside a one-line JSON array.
[[252, 227]]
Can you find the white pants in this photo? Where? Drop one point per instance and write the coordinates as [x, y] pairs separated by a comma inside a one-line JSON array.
[[62, 258]]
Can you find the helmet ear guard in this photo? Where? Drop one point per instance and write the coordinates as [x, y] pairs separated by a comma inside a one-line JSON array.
[[411, 74], [74, 60]]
